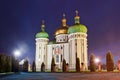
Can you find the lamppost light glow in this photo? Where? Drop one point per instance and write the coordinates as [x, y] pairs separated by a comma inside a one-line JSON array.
[[97, 60], [17, 53]]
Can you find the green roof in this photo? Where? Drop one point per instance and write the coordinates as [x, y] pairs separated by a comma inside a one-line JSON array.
[[77, 28], [42, 35]]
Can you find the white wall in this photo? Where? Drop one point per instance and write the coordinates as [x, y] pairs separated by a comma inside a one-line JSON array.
[[81, 47], [49, 56], [41, 51]]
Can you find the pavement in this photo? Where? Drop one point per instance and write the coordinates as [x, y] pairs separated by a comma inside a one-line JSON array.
[[62, 76]]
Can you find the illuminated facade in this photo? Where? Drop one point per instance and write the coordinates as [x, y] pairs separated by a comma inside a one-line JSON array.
[[70, 43]]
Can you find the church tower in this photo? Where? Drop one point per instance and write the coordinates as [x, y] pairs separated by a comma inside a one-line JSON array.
[[61, 33], [77, 38], [41, 47]]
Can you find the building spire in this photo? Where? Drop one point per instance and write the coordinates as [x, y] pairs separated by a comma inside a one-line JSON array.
[[77, 17], [43, 26], [64, 21]]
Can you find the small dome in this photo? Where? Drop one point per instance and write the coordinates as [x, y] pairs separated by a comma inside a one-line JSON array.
[[63, 29], [42, 34], [77, 27]]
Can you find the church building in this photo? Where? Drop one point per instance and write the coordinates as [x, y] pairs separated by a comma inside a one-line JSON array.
[[70, 43]]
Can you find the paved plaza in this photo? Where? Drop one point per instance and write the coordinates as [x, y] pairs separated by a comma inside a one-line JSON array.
[[62, 76]]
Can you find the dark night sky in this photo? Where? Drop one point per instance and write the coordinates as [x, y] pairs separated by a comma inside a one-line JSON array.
[[20, 20]]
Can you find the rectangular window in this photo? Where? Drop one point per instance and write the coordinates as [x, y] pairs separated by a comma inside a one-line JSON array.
[[57, 58]]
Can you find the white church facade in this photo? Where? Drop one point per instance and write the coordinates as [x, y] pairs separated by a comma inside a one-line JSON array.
[[70, 43]]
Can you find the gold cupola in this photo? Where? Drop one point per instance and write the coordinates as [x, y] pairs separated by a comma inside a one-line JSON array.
[[64, 28]]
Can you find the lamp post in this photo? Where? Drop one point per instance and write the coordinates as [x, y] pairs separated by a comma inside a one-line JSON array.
[[97, 61]]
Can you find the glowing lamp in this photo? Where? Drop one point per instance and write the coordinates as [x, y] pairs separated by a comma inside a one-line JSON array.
[[17, 53], [97, 60]]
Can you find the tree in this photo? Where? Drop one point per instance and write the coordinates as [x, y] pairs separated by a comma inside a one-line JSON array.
[[119, 65], [52, 65], [109, 61], [77, 65], [42, 67], [8, 64], [2, 62], [33, 66], [64, 66], [5, 63], [25, 65], [15, 65], [92, 63]]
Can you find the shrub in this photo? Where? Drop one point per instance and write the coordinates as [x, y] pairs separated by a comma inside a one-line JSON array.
[[109, 61], [15, 65], [52, 65], [92, 63], [33, 66], [64, 66], [77, 65], [42, 67], [25, 65], [8, 64], [2, 62]]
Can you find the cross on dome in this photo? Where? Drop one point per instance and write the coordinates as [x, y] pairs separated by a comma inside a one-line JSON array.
[[76, 12], [43, 22], [77, 17], [63, 15]]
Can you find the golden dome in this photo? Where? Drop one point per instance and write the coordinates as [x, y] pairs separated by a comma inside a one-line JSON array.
[[63, 29]]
